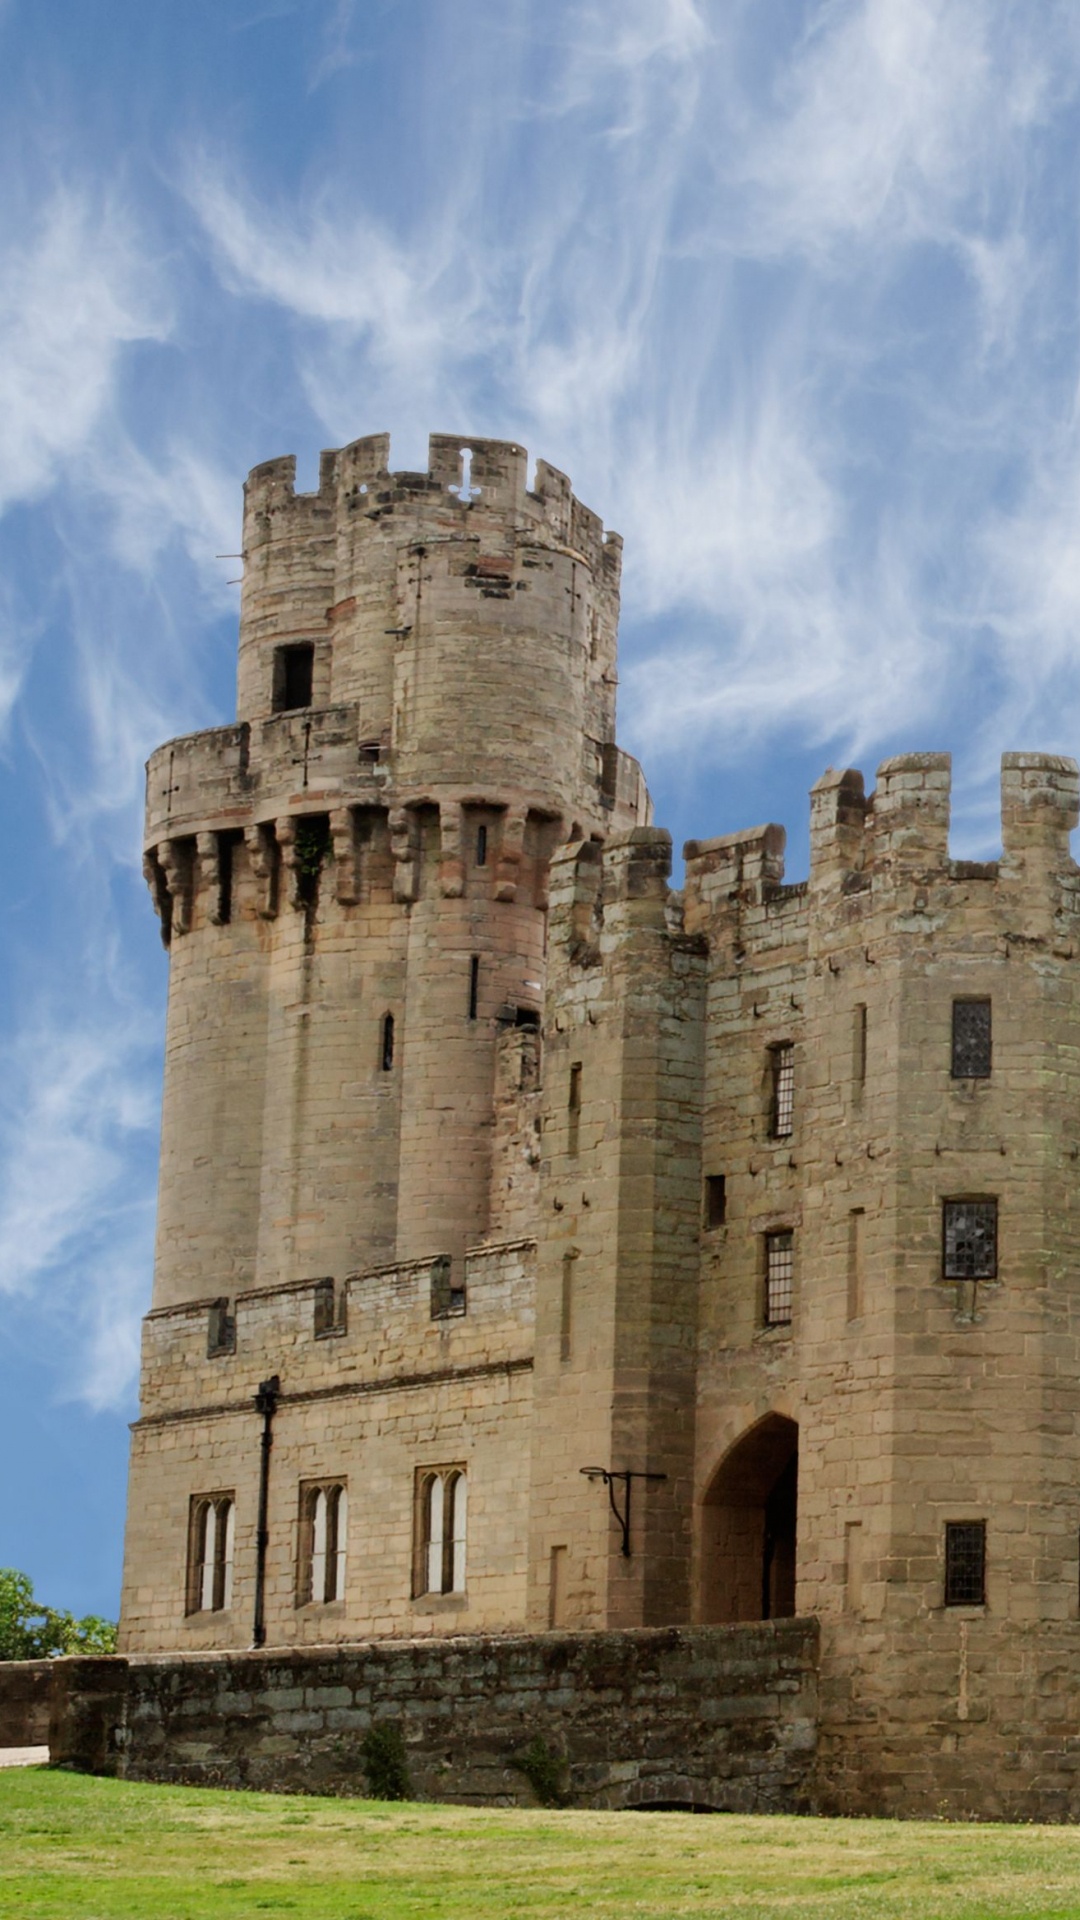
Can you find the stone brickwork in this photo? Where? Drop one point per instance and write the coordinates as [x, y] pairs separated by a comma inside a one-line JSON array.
[[24, 1702], [721, 1241], [721, 1719]]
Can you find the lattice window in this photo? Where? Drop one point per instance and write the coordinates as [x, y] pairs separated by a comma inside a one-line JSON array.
[[324, 1526], [965, 1563], [971, 1039], [779, 1278], [440, 1530], [211, 1534], [969, 1233], [782, 1116]]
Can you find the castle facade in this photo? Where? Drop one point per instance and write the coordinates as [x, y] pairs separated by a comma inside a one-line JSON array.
[[543, 1248]]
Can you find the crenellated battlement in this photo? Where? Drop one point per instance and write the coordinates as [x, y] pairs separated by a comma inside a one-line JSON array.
[[467, 477], [889, 850], [368, 1332]]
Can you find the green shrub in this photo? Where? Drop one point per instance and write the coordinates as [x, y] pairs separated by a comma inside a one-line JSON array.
[[546, 1772], [385, 1763], [29, 1631]]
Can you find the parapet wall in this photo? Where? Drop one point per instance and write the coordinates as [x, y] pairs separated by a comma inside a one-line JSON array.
[[891, 845], [720, 1718], [408, 1320]]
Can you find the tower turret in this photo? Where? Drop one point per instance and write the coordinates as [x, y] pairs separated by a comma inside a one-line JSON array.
[[352, 879]]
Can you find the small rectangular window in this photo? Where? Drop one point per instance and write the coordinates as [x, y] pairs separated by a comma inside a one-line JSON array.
[[779, 1278], [448, 1295], [858, 1047], [481, 845], [566, 1314], [856, 1222], [294, 672], [221, 1330], [969, 1234], [715, 1200], [782, 1115], [573, 1109], [557, 1588], [971, 1039], [965, 1563], [853, 1566], [474, 986]]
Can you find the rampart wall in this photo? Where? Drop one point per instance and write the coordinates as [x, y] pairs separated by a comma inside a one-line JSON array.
[[721, 1719]]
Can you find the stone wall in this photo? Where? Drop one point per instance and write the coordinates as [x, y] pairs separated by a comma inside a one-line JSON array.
[[721, 1718], [24, 1702]]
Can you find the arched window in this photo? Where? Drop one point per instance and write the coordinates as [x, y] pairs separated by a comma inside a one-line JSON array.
[[212, 1532], [457, 1494], [387, 1042], [324, 1512], [442, 1510]]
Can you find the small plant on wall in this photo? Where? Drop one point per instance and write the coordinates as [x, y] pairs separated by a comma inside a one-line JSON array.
[[385, 1762], [546, 1772]]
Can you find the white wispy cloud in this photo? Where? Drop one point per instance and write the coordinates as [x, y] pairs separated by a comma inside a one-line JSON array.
[[74, 290], [75, 1101], [722, 316]]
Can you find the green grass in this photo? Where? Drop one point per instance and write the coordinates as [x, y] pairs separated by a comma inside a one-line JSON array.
[[73, 1848]]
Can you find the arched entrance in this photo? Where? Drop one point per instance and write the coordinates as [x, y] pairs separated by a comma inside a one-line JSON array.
[[749, 1527]]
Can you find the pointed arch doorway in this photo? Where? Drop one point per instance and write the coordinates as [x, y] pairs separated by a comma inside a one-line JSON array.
[[750, 1526]]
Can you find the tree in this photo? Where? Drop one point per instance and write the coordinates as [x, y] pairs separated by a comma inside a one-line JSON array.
[[29, 1631]]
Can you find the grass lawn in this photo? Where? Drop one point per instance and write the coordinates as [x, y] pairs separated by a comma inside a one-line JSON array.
[[73, 1848]]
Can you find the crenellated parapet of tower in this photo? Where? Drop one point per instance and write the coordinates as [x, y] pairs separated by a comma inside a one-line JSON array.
[[420, 655]]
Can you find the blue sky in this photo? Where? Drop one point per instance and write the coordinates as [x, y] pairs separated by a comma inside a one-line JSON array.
[[788, 287]]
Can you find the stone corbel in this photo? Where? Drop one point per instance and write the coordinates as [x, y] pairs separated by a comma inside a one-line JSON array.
[[346, 847], [262, 858], [285, 834], [208, 864], [404, 845], [176, 866], [511, 848], [154, 875], [451, 861]]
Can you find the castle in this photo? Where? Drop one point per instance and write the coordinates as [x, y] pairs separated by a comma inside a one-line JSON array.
[[543, 1249]]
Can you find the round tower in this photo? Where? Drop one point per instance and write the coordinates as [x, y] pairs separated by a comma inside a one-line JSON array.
[[353, 879]]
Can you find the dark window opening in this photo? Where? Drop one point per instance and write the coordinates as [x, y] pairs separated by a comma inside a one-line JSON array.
[[330, 1310], [481, 846], [782, 1114], [969, 1234], [609, 773], [566, 1315], [226, 844], [527, 1017], [965, 1563], [971, 1039], [573, 1109], [448, 1299], [474, 986], [294, 670], [715, 1199], [859, 1048], [221, 1330], [779, 1278], [387, 1042]]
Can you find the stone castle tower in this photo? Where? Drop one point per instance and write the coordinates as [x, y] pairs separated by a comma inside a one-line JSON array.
[[489, 1160]]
